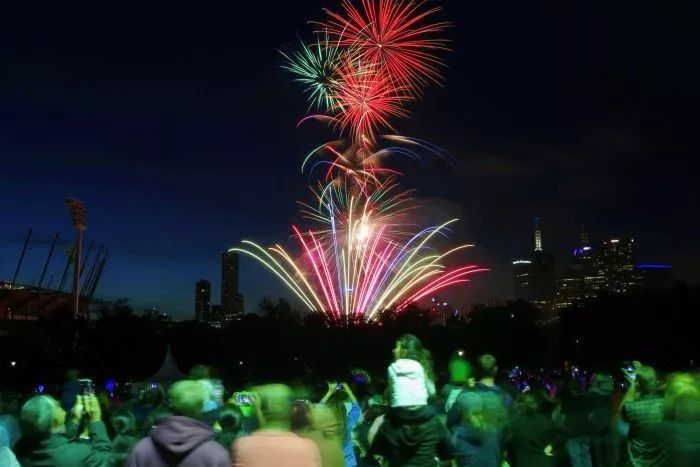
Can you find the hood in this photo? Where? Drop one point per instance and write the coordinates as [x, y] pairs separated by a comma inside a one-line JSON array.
[[180, 435], [409, 427], [407, 368]]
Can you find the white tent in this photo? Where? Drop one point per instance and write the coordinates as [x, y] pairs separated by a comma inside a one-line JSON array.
[[169, 372]]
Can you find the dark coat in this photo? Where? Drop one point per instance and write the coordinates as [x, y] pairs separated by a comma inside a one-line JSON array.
[[412, 438], [530, 435], [61, 449], [179, 441]]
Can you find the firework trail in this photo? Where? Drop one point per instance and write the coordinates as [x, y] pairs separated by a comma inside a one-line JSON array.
[[363, 260]]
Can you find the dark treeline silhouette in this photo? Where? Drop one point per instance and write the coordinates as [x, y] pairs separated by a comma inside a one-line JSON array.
[[283, 344]]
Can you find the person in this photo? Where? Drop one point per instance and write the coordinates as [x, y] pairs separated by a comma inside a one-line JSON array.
[[642, 409], [410, 434], [496, 401], [181, 439], [47, 440], [274, 444], [346, 417], [301, 416], [604, 452], [7, 457], [410, 375], [364, 457], [70, 389], [9, 409], [149, 398], [230, 424], [476, 442], [576, 409], [534, 436], [325, 429], [124, 427], [213, 400], [479, 416], [460, 371], [680, 429]]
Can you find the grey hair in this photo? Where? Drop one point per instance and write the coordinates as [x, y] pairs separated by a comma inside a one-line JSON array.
[[37, 416]]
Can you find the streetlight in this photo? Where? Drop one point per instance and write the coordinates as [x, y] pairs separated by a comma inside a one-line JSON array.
[[78, 216]]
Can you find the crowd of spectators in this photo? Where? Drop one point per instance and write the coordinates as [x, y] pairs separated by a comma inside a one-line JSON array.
[[480, 416]]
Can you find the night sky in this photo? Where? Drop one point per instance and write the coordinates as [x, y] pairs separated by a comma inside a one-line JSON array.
[[177, 128]]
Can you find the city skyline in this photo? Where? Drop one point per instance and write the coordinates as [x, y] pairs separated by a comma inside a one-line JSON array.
[[173, 147]]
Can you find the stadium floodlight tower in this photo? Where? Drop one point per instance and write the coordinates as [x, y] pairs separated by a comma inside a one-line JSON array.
[[79, 218]]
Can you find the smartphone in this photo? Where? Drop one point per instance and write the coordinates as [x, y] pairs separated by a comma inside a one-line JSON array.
[[87, 388], [339, 387], [628, 369], [243, 398], [154, 387]]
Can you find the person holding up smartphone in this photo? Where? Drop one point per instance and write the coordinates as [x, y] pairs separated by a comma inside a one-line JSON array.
[[337, 416], [49, 440], [642, 410]]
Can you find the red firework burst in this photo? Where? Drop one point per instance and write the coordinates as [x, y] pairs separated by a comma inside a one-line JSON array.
[[366, 99], [395, 34]]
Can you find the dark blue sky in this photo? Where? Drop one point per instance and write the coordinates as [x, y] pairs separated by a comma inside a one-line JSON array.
[[177, 128]]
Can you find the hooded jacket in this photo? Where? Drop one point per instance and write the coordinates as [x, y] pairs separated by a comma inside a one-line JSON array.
[[409, 384], [179, 441], [412, 438]]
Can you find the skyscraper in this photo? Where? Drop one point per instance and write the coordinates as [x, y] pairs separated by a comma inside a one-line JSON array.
[[538, 235], [616, 261], [606, 267], [583, 278], [521, 278], [231, 299], [533, 276], [202, 299]]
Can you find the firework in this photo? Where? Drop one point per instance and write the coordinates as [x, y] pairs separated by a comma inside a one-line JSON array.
[[362, 262], [361, 255], [366, 99], [315, 67], [394, 34]]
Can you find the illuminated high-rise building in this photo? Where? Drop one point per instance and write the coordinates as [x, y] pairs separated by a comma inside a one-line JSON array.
[[616, 262], [521, 278], [538, 235], [231, 299], [583, 279], [534, 277], [607, 267], [202, 299]]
